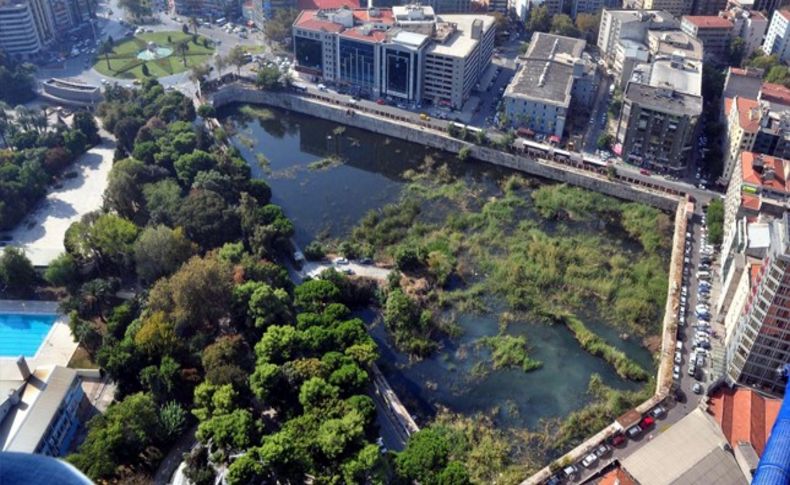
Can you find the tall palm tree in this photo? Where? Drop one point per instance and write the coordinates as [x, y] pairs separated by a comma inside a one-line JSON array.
[[24, 117], [105, 49], [193, 22], [4, 122], [182, 48], [220, 63], [197, 75]]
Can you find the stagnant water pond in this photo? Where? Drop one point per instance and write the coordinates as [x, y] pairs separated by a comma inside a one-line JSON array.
[[287, 149]]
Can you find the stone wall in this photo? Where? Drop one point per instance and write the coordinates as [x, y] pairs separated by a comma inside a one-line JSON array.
[[424, 135]]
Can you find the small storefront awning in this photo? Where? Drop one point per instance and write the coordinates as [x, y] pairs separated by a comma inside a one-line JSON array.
[[554, 139], [618, 149]]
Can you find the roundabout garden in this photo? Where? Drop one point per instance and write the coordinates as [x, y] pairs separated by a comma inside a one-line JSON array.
[[154, 54]]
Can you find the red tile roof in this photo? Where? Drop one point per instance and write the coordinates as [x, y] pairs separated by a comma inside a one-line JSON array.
[[776, 93], [326, 4], [708, 21], [785, 13], [744, 415], [778, 166], [748, 113], [308, 20], [618, 476], [373, 36]]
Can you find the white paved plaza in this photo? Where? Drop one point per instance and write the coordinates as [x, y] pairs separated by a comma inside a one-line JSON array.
[[41, 233]]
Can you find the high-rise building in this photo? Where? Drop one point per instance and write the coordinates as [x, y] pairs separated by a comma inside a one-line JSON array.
[[777, 39], [662, 104], [757, 340], [749, 25], [674, 7], [618, 25], [707, 7], [406, 53], [713, 31], [26, 26], [591, 6]]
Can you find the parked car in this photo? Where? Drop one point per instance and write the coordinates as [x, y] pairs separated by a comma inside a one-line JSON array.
[[678, 357], [645, 171], [589, 460], [602, 450], [658, 412], [617, 439], [697, 388], [634, 431], [647, 423], [340, 261], [570, 471]]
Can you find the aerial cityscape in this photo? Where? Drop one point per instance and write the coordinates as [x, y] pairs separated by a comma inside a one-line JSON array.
[[400, 242]]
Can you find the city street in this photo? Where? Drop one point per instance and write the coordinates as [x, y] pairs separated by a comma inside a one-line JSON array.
[[600, 108]]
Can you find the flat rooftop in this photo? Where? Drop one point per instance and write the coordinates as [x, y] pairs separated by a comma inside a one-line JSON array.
[[655, 17], [664, 100], [460, 43], [685, 77], [669, 42], [547, 70], [26, 423], [550, 46], [543, 80], [690, 452]]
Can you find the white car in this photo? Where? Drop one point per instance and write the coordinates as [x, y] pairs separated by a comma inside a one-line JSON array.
[[589, 460], [340, 261], [678, 357]]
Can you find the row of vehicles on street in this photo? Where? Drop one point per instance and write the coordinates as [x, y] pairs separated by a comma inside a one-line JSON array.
[[699, 341], [604, 449]]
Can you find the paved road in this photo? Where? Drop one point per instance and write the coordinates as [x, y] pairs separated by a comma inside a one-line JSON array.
[[600, 108], [314, 269]]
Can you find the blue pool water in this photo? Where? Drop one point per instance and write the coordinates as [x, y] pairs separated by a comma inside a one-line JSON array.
[[22, 334]]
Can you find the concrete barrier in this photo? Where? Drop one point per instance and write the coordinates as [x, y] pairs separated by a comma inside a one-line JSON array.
[[430, 135]]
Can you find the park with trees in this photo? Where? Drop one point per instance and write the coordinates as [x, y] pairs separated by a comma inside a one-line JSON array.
[[273, 377], [37, 152]]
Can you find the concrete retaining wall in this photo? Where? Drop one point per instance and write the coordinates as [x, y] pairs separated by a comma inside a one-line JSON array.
[[426, 135]]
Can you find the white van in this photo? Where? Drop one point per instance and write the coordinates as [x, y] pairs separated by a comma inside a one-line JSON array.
[[679, 345]]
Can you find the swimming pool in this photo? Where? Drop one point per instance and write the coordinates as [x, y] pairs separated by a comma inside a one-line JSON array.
[[23, 333]]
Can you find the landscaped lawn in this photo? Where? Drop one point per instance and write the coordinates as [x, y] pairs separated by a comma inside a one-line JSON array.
[[125, 64]]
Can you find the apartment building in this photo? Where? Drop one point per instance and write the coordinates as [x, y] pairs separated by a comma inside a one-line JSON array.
[[662, 104], [619, 25], [749, 25], [674, 7], [407, 53], [758, 338], [554, 74], [707, 7], [38, 409], [591, 6], [742, 126], [777, 38], [713, 31]]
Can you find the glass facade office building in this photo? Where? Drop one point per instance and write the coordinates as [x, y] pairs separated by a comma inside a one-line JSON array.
[[357, 63], [309, 53]]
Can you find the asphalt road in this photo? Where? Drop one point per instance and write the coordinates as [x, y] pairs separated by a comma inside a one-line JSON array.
[[600, 107]]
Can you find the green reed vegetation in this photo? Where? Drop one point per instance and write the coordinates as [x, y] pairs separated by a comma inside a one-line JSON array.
[[546, 251], [508, 351], [592, 343]]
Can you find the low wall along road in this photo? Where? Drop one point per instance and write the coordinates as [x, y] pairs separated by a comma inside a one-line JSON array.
[[566, 171]]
